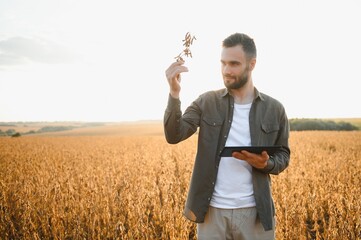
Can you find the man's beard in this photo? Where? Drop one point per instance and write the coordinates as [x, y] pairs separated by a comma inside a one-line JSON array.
[[240, 81]]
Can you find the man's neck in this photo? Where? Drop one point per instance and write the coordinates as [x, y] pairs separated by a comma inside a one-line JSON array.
[[245, 94]]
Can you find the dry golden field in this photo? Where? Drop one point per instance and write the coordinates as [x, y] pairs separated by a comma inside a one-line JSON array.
[[130, 185]]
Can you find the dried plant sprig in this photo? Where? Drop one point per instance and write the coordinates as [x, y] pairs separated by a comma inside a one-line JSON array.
[[187, 42]]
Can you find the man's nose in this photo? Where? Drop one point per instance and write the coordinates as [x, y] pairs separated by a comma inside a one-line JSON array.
[[226, 69]]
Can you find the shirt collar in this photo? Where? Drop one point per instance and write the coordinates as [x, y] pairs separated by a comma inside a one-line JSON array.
[[258, 94], [224, 92]]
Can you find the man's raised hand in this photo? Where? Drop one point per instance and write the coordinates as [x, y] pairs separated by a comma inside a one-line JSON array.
[[174, 78]]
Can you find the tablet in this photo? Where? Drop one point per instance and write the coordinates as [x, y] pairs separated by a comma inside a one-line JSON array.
[[227, 151]]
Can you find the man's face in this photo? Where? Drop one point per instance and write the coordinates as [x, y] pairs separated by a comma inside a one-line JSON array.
[[235, 67]]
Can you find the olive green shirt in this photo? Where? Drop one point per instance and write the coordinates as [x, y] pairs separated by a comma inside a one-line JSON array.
[[212, 113]]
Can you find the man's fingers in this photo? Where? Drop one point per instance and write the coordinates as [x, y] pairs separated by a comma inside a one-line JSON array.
[[256, 160], [177, 67], [247, 155], [239, 155], [265, 155], [174, 70], [177, 63], [173, 74]]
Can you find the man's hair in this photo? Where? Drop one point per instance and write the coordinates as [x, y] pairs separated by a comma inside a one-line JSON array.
[[247, 43]]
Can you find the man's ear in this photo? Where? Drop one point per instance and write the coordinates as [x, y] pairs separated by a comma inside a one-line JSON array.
[[252, 63]]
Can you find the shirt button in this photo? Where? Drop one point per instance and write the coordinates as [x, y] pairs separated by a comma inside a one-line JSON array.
[[212, 183], [209, 199], [225, 136]]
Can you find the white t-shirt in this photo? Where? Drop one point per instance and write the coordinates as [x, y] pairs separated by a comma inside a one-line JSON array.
[[234, 188]]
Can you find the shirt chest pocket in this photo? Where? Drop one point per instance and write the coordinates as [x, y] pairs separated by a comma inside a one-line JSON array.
[[210, 129], [269, 133]]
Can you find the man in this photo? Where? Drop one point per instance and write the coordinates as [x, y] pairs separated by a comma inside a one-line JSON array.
[[230, 197]]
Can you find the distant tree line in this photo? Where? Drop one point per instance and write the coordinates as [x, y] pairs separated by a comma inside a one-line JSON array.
[[13, 133], [8, 132], [318, 124], [7, 125]]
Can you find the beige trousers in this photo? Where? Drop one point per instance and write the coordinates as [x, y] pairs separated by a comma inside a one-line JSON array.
[[236, 224]]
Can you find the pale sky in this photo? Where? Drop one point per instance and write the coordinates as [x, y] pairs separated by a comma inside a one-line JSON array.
[[105, 60]]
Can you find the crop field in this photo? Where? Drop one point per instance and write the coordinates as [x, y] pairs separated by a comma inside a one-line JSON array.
[[133, 186]]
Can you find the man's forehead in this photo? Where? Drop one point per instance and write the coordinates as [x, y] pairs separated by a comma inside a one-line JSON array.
[[235, 53]]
